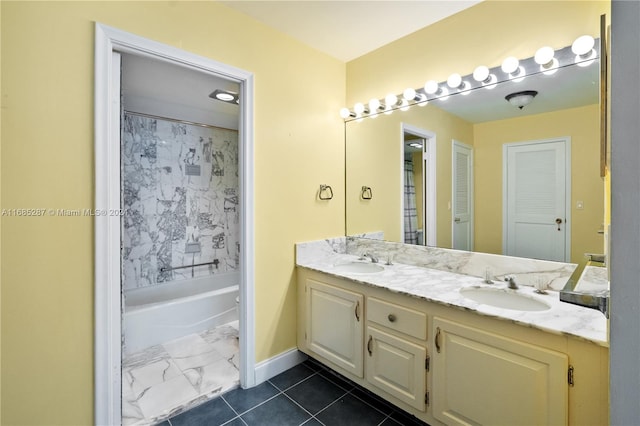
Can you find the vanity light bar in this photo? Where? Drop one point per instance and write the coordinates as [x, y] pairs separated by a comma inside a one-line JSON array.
[[583, 52]]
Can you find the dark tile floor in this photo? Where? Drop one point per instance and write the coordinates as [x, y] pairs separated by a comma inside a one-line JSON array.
[[307, 394]]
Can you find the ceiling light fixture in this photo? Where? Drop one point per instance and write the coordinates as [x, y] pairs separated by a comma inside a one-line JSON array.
[[521, 99], [225, 96]]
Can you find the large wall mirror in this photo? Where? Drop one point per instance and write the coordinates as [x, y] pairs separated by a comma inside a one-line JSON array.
[[486, 175]]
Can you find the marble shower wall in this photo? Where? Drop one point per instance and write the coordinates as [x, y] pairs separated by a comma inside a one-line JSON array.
[[180, 199]]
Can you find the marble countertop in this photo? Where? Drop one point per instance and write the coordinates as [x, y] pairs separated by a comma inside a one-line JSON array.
[[594, 279], [444, 288]]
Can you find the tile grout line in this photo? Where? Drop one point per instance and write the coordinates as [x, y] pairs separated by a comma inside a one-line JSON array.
[[258, 405], [305, 410], [313, 373]]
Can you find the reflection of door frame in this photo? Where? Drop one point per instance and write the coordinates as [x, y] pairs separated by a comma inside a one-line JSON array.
[[567, 183], [107, 277], [428, 181], [455, 143]]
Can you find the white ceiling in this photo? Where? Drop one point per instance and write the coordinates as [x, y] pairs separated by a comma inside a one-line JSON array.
[[349, 29]]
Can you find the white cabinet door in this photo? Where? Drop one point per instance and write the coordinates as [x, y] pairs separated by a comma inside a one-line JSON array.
[[483, 378], [396, 366], [335, 325]]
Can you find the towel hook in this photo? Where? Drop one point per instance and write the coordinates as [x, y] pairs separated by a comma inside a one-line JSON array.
[[323, 192], [366, 193]]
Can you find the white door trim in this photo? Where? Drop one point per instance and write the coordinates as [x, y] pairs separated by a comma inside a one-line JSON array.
[[429, 187], [567, 168], [107, 301]]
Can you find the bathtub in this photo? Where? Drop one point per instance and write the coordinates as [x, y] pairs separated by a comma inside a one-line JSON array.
[[154, 315]]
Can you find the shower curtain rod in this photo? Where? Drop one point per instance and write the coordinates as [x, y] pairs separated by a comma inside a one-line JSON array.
[[175, 120]]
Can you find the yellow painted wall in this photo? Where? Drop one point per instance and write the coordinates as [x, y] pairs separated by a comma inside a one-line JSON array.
[[47, 161], [582, 125], [484, 34], [374, 153]]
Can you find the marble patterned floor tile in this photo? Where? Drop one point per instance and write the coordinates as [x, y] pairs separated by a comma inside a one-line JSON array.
[[154, 383], [191, 351], [131, 412], [224, 332], [235, 360], [166, 396], [226, 347], [144, 357], [216, 377], [143, 377]]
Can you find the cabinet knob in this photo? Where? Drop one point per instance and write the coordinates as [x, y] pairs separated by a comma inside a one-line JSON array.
[[391, 318]]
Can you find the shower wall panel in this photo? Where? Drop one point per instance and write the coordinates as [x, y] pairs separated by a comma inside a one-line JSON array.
[[180, 200]]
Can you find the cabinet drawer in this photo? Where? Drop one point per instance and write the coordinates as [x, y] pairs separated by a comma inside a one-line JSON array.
[[396, 317]]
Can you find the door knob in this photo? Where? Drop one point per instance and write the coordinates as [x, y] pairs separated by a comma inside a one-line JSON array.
[[558, 221]]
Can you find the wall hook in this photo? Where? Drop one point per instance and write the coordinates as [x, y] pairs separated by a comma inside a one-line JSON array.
[[366, 193], [326, 193]]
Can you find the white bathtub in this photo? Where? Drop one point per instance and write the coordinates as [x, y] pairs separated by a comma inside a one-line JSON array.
[[154, 315]]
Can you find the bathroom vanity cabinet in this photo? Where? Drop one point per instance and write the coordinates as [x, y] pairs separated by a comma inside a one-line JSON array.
[[446, 365]]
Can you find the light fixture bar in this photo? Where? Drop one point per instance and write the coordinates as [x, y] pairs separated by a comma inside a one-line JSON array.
[[482, 77]]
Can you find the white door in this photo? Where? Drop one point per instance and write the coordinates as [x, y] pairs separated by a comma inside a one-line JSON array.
[[537, 196], [462, 205]]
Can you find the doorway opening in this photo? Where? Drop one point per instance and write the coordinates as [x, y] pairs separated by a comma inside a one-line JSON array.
[[418, 180], [180, 233], [181, 189]]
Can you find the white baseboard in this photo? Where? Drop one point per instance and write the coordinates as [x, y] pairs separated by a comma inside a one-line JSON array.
[[273, 366]]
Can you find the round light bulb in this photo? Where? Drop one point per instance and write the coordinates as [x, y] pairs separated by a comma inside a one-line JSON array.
[[227, 97], [583, 45], [454, 81], [409, 94], [374, 104], [404, 105], [358, 108], [550, 68], [544, 55], [510, 64], [345, 113], [481, 74], [431, 87], [391, 100]]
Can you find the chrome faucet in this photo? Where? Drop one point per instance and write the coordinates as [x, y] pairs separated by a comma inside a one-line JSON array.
[[511, 283], [373, 258]]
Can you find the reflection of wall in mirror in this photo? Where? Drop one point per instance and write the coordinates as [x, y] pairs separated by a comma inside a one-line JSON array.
[[373, 158], [582, 126]]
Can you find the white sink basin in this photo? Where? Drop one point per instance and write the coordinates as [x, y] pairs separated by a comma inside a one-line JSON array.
[[358, 267], [503, 299]]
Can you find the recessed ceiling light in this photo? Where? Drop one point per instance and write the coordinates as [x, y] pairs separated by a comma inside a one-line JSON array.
[[225, 96]]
